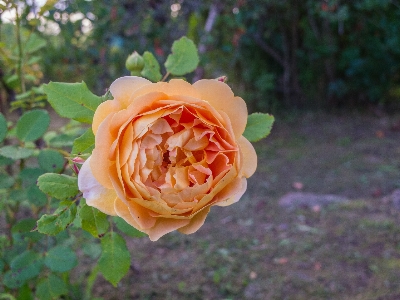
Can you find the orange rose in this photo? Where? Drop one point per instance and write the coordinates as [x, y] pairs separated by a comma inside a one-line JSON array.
[[166, 152]]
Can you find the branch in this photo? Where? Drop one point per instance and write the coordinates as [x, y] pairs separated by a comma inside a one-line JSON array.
[[271, 51]]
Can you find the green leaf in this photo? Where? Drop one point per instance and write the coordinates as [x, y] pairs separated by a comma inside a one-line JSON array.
[[84, 143], [72, 100], [25, 266], [59, 186], [25, 293], [184, 57], [57, 222], [51, 160], [151, 68], [16, 152], [258, 126], [128, 229], [92, 250], [32, 125], [34, 43], [115, 258], [36, 196], [93, 221], [3, 127], [23, 229], [51, 288], [6, 181], [61, 140], [61, 259], [29, 176]]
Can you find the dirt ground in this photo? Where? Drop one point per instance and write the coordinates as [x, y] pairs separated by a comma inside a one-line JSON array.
[[256, 249]]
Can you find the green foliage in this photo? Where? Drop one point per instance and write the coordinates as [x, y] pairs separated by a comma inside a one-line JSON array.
[[72, 100], [93, 221], [16, 152], [51, 160], [60, 259], [151, 68], [84, 143], [258, 126], [115, 258], [51, 287], [23, 267], [59, 220], [32, 125], [127, 229], [59, 186], [3, 127], [184, 57]]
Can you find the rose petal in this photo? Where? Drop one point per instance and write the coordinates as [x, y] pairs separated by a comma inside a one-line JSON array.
[[249, 159], [95, 194], [221, 97], [124, 87], [105, 109], [232, 192], [164, 226], [196, 222]]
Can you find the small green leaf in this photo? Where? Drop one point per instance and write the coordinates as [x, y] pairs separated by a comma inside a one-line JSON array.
[[51, 288], [84, 143], [23, 229], [128, 229], [59, 186], [258, 126], [25, 266], [115, 258], [93, 221], [57, 222], [184, 57], [72, 100], [3, 127], [51, 160], [151, 68], [32, 125], [61, 259], [15, 152], [6, 181]]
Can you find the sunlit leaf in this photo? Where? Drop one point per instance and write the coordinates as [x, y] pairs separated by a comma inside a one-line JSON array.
[[151, 68], [32, 125], [59, 186], [258, 126], [184, 57], [84, 143], [72, 100]]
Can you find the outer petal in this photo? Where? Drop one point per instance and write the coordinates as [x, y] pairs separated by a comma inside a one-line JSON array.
[[103, 111], [235, 192], [196, 222], [124, 87], [164, 226], [171, 88], [221, 97], [95, 194], [249, 159]]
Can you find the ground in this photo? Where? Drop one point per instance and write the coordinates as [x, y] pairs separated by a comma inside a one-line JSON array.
[[256, 249]]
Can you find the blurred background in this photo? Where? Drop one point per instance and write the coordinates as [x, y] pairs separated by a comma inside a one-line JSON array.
[[329, 71], [277, 54]]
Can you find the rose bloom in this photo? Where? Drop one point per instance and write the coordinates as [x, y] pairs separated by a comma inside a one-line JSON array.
[[166, 152]]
